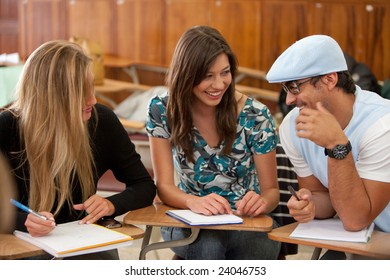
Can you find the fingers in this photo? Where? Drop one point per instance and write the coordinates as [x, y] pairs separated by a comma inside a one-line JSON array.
[[95, 207], [252, 204], [303, 210], [212, 204], [39, 227], [215, 204]]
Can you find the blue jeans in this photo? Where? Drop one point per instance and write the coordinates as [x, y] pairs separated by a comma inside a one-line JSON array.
[[223, 244]]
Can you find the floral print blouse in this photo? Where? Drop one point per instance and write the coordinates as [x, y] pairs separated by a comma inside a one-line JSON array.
[[230, 176]]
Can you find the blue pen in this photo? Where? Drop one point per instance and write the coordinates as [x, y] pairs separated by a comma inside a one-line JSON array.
[[26, 209]]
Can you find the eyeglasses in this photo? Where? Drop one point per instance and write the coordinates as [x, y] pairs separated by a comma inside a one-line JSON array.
[[293, 87]]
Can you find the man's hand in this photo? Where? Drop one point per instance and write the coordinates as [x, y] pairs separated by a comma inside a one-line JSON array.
[[320, 126], [302, 210]]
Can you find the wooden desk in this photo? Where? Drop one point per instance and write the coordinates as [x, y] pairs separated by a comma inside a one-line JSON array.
[[244, 72], [259, 92], [113, 86], [12, 248], [131, 67], [110, 85], [154, 215], [378, 247]]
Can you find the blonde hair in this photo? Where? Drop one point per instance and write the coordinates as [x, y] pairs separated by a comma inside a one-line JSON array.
[[51, 95]]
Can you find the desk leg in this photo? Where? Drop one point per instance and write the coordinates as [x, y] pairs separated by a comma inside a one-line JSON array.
[[132, 72], [147, 234], [165, 244], [316, 253]]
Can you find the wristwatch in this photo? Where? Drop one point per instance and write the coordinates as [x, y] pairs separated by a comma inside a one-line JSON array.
[[339, 151]]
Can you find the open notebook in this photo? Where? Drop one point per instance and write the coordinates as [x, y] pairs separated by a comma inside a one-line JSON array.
[[194, 219], [71, 239], [331, 229]]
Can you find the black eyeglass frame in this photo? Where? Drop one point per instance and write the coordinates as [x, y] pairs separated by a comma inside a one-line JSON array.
[[293, 86]]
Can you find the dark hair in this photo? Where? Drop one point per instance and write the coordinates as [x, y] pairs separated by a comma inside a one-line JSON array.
[[344, 81], [195, 52]]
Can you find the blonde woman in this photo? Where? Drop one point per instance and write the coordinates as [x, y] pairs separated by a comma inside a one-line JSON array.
[[59, 142]]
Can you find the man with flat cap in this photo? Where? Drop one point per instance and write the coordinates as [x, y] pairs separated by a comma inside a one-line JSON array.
[[337, 137]]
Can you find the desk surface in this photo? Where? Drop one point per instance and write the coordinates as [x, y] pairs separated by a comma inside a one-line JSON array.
[[12, 247], [378, 247], [111, 85], [154, 215]]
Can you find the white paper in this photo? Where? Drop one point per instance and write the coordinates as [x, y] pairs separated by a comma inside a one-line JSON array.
[[331, 229], [72, 238], [191, 218]]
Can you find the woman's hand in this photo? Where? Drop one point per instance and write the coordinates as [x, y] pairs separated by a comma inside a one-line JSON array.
[[96, 207], [212, 204], [39, 227], [252, 204]]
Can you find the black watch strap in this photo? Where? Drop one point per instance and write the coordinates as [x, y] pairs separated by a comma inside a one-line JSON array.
[[339, 151]]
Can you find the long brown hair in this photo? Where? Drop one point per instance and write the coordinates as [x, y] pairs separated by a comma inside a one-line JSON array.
[[51, 95], [195, 52]]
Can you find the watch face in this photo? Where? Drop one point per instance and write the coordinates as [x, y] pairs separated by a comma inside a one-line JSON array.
[[340, 151]]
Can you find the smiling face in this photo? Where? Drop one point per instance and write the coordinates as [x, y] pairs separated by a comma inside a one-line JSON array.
[[212, 88], [309, 94]]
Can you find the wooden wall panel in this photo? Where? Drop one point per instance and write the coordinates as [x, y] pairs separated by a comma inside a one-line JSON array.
[[40, 21], [178, 17], [8, 26], [239, 22], [148, 30], [94, 20], [282, 23], [344, 22], [377, 42], [139, 29]]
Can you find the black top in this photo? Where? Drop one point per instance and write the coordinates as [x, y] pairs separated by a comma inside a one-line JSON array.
[[112, 149]]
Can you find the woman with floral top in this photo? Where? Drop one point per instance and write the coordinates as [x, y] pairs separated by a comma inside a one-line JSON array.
[[221, 144]]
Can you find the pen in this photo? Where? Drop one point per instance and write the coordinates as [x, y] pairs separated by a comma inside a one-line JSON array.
[[293, 192], [28, 210]]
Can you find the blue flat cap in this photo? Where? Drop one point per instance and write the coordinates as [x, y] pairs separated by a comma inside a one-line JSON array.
[[311, 56]]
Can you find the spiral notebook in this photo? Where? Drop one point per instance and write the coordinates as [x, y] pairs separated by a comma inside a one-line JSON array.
[[331, 229], [71, 239], [195, 219]]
